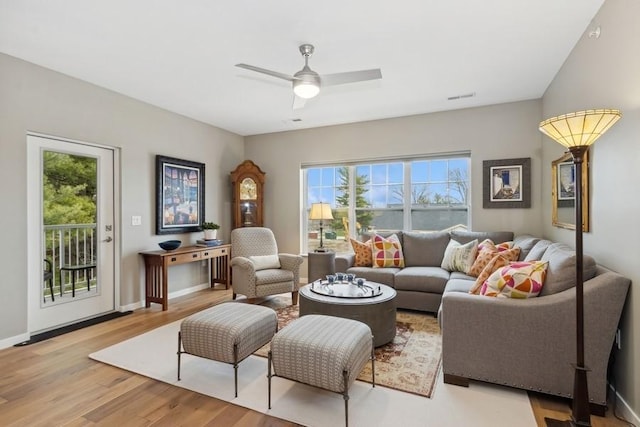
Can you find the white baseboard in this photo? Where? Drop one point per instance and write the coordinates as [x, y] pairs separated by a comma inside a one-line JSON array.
[[131, 307], [624, 410], [11, 341], [175, 294], [188, 291]]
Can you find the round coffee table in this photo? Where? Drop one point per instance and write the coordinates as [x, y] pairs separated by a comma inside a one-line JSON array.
[[378, 312]]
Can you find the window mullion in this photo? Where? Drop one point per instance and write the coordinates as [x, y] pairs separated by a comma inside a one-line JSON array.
[[351, 213], [407, 197]]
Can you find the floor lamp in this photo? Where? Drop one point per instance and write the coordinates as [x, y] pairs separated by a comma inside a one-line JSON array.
[[577, 131], [321, 212]]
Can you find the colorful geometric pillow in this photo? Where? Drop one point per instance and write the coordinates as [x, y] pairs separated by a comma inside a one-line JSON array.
[[517, 280], [363, 251], [498, 261], [459, 257], [387, 252], [486, 251]]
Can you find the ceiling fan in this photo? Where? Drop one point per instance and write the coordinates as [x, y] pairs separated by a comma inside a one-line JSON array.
[[307, 83]]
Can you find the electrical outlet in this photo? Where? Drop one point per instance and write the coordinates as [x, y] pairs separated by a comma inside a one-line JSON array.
[[618, 339]]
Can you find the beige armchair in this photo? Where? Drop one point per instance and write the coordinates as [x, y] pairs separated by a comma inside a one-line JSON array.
[[258, 269]]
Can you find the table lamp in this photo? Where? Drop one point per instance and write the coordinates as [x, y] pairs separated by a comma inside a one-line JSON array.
[[320, 212]]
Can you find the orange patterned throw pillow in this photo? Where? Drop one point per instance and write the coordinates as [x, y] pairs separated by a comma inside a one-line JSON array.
[[364, 254], [387, 252], [486, 251], [500, 260], [496, 262], [516, 280]]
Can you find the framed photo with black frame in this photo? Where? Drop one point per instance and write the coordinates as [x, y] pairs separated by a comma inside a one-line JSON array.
[[179, 195], [506, 183]]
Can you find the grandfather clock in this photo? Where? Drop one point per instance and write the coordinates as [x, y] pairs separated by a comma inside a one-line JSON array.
[[247, 181]]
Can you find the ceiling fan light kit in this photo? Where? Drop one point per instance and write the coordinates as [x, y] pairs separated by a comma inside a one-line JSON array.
[[306, 82], [306, 90]]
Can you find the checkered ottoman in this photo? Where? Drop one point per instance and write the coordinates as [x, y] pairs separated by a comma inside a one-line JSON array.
[[227, 332], [323, 351]]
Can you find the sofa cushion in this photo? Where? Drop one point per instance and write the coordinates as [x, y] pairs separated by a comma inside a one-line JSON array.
[[387, 252], [495, 236], [459, 257], [380, 275], [516, 280], [458, 285], [561, 274], [525, 242], [424, 249], [363, 252], [460, 275], [423, 279], [538, 250]]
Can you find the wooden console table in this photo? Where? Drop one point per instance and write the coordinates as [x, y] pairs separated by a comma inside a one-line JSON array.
[[157, 262]]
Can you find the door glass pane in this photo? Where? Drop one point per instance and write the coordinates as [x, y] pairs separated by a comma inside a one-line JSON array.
[[69, 191]]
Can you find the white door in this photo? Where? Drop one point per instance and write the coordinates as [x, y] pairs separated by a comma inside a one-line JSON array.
[[80, 254]]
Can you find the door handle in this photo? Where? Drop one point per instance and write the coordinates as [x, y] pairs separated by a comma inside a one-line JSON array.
[[108, 239]]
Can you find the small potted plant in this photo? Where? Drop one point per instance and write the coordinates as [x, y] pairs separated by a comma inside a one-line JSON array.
[[210, 230]]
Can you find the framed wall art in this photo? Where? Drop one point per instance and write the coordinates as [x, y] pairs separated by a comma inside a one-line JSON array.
[[563, 195], [506, 183], [179, 195]]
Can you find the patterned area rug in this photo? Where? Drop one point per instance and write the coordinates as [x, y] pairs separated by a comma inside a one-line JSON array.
[[409, 363]]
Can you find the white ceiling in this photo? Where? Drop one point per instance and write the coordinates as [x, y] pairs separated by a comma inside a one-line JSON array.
[[180, 55]]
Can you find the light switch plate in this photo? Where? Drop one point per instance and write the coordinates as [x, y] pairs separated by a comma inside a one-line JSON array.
[[136, 220]]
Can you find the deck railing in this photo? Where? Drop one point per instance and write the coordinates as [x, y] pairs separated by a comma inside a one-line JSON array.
[[69, 244]]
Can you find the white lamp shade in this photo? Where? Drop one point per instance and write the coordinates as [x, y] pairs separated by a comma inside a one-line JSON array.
[[579, 129], [305, 90], [320, 211]]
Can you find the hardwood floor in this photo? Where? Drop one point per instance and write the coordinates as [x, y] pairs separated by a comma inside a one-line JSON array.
[[54, 383]]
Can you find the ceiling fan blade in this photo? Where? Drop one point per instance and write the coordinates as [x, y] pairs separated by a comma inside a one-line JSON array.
[[268, 72], [350, 77], [298, 102]]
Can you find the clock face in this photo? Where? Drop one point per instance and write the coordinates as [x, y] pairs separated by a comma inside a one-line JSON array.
[[248, 189]]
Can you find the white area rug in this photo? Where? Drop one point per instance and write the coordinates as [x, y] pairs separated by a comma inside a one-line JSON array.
[[153, 354]]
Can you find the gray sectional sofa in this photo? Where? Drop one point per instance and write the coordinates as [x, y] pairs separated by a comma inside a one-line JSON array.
[[527, 344], [421, 283]]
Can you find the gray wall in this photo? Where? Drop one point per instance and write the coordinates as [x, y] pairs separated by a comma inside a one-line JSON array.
[[605, 73], [39, 100], [496, 132]]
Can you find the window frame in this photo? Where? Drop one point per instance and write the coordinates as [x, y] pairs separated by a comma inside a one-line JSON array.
[[407, 207]]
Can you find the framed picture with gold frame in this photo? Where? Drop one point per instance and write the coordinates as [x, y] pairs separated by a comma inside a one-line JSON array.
[[563, 214]]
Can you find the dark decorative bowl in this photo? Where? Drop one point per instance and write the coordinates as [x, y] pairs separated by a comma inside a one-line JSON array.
[[169, 245]]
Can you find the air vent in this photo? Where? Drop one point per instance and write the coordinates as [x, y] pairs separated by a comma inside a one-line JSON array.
[[466, 95]]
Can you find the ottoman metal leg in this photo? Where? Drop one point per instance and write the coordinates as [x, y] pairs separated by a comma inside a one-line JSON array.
[[373, 363], [345, 375], [269, 378], [235, 367], [179, 352]]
